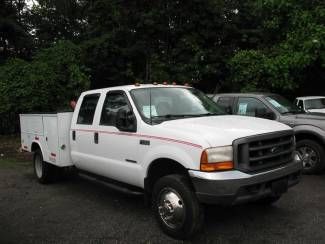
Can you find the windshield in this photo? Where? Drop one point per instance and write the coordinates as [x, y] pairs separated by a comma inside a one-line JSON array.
[[315, 103], [159, 104], [283, 105]]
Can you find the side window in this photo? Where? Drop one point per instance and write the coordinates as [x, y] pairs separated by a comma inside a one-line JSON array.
[[226, 103], [300, 104], [87, 109], [113, 104], [248, 106]]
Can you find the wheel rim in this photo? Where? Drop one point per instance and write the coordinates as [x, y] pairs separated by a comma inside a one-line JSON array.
[[171, 208], [38, 166], [309, 156]]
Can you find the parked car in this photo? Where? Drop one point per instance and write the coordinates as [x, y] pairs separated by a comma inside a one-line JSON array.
[[309, 128], [171, 143], [311, 104]]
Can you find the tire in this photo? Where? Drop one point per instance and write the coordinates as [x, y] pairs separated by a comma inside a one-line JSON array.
[[268, 200], [44, 172], [313, 156], [173, 193]]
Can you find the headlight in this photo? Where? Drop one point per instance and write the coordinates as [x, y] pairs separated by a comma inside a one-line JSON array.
[[217, 158]]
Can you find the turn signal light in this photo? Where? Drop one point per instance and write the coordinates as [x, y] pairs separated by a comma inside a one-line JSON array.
[[207, 166], [210, 167]]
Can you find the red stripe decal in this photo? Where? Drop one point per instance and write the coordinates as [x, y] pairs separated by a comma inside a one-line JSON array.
[[53, 154], [144, 136]]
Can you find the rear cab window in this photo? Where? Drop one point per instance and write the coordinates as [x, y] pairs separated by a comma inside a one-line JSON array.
[[87, 109]]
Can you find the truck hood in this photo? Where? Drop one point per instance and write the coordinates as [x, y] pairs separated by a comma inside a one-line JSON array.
[[220, 130], [313, 119]]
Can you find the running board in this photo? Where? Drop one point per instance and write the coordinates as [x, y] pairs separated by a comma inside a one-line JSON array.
[[118, 186]]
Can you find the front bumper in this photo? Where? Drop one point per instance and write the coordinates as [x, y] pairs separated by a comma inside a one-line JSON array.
[[234, 187]]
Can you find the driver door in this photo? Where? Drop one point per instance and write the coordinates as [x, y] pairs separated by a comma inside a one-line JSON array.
[[117, 150]]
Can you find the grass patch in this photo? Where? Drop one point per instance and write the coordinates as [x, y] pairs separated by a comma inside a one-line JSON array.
[[10, 149], [13, 163]]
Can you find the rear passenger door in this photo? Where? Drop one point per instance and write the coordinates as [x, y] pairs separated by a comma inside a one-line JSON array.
[[82, 132], [249, 106], [227, 103]]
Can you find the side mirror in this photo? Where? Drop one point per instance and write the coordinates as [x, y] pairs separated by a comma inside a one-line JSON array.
[[265, 114], [126, 121]]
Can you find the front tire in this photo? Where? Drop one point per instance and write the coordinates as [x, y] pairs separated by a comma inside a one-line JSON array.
[[176, 207], [313, 156], [44, 172]]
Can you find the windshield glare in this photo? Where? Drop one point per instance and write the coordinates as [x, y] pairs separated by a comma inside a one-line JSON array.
[[282, 105], [166, 103], [315, 103]]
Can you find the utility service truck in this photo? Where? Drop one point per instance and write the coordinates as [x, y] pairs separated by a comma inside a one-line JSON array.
[[170, 143]]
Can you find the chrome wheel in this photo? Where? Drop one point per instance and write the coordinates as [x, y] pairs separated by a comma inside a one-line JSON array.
[[171, 208], [309, 157], [38, 166]]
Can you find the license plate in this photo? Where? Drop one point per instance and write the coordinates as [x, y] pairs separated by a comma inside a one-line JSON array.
[[279, 186]]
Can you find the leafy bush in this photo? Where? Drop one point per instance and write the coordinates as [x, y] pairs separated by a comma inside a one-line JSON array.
[[47, 83]]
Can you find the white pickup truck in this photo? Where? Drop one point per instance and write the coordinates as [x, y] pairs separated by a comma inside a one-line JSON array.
[[171, 143]]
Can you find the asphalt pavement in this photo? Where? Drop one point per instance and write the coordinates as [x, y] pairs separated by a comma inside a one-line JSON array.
[[80, 211]]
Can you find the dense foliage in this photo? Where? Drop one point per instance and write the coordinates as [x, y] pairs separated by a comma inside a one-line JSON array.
[[46, 83], [52, 50]]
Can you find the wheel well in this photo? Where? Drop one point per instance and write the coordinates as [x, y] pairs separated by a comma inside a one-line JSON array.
[[302, 136], [162, 167], [35, 146]]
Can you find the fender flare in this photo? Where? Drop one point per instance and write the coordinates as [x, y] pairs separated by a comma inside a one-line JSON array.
[[39, 145], [311, 130], [168, 152]]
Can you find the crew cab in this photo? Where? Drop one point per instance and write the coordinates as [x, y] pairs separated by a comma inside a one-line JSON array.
[[172, 144], [311, 104], [309, 128]]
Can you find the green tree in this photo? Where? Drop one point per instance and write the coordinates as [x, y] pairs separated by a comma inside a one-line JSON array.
[[294, 56], [186, 41], [15, 40], [47, 83], [54, 20]]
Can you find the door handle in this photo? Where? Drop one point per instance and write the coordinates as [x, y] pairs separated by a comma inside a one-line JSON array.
[[73, 135], [96, 137]]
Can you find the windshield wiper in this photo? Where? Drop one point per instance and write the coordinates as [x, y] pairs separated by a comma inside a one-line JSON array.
[[168, 116], [202, 115]]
